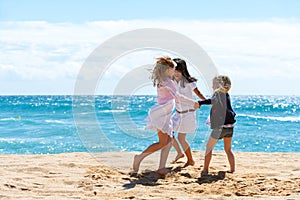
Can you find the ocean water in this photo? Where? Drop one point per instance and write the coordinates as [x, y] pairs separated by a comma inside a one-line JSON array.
[[57, 124]]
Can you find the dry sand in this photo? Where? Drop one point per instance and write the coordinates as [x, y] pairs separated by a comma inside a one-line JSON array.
[[106, 176]]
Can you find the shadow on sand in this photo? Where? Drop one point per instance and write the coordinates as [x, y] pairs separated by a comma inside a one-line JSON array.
[[150, 178], [147, 178], [211, 178]]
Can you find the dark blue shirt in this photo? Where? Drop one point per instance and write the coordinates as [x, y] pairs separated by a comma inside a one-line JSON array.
[[221, 112]]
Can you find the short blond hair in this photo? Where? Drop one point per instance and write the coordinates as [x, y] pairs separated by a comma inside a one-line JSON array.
[[223, 83], [160, 68]]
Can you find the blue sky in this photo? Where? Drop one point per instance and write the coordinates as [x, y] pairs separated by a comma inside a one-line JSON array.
[[77, 11], [44, 43]]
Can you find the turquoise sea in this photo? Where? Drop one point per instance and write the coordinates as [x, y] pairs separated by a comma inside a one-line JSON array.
[[46, 124]]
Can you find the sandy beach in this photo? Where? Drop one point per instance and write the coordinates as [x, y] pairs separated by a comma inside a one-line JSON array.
[[107, 176]]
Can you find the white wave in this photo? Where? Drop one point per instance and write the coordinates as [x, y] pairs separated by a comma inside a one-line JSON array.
[[8, 119], [283, 119], [54, 121], [86, 113], [112, 111]]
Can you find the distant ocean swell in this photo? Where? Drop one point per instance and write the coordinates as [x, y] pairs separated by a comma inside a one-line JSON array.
[[45, 124]]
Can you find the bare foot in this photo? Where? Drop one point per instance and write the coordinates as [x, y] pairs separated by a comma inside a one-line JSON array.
[[178, 157], [204, 172], [136, 163], [162, 172], [188, 163]]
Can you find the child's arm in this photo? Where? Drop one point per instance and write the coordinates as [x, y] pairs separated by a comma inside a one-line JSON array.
[[179, 97], [205, 102], [196, 91], [199, 94], [213, 100], [209, 101]]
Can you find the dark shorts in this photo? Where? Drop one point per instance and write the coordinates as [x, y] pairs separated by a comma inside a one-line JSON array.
[[219, 133]]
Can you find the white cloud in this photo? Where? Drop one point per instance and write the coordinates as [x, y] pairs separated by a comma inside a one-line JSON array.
[[261, 51]]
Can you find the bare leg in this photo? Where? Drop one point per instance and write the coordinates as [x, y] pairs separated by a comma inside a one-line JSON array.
[[187, 150], [177, 148], [163, 141], [230, 156], [208, 153], [163, 158]]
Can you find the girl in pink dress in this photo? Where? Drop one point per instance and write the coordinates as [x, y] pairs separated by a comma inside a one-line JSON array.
[[159, 116]]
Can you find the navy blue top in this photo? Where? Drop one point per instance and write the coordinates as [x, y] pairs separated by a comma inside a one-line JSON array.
[[221, 112]]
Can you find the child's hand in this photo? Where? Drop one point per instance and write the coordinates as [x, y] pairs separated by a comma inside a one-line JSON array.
[[196, 105]]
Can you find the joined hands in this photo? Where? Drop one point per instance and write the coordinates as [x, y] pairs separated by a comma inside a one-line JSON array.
[[196, 105]]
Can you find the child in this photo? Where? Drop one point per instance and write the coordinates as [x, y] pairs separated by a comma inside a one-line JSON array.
[[159, 116], [184, 119], [222, 118]]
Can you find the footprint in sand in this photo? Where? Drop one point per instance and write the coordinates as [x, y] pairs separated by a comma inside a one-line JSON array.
[[10, 186]]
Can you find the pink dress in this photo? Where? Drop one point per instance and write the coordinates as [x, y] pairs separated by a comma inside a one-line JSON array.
[[159, 116]]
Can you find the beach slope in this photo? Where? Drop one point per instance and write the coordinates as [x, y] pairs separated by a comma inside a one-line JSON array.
[[107, 176]]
